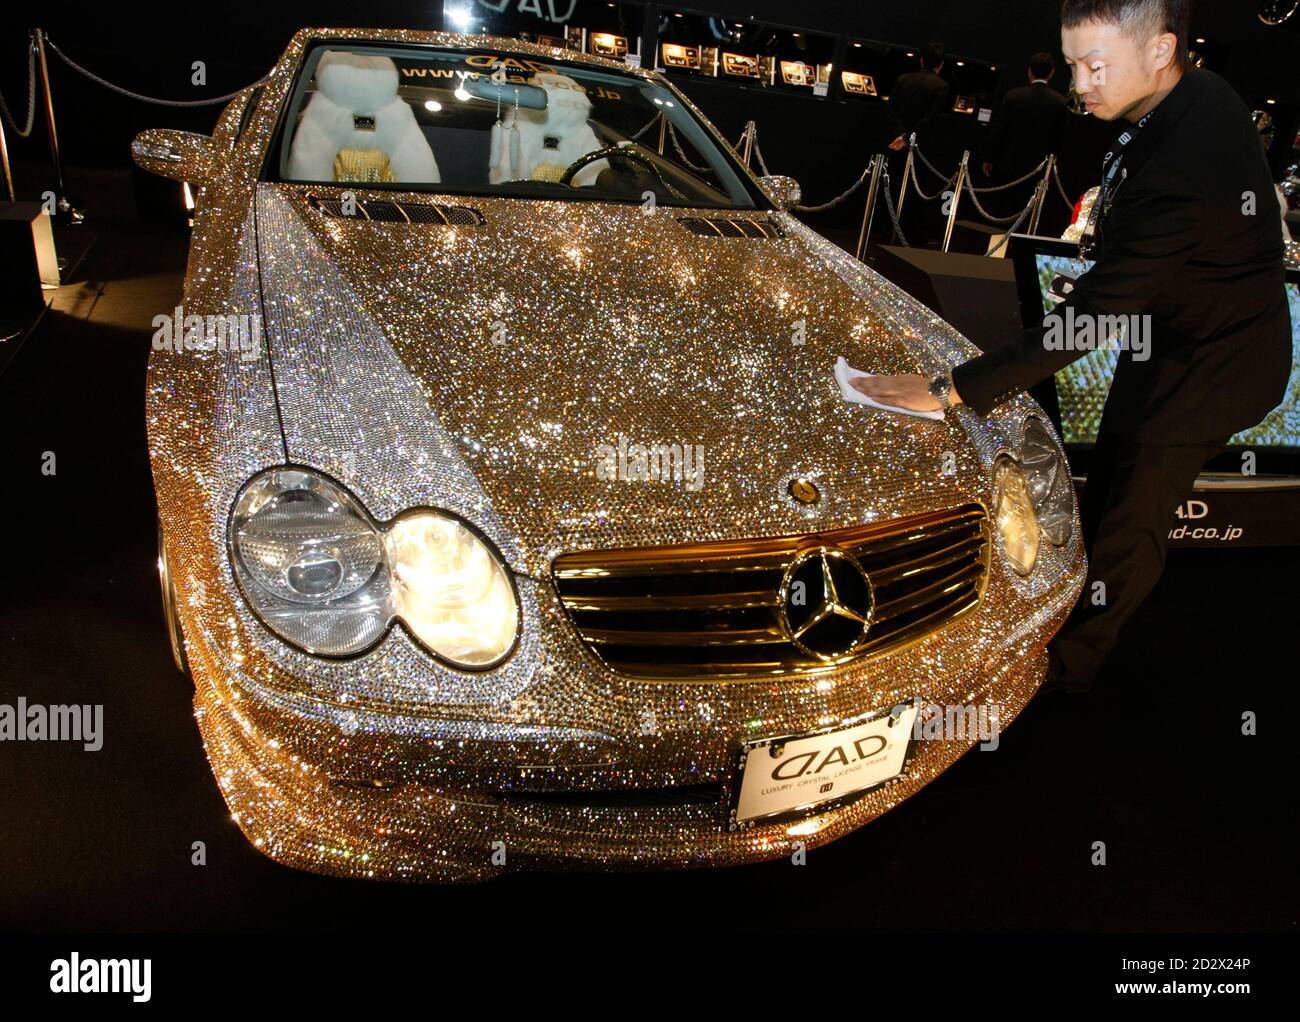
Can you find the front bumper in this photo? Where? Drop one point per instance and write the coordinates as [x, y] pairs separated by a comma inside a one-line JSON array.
[[352, 802]]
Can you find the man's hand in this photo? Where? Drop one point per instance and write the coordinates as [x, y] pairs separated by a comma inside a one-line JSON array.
[[988, 169], [898, 143], [907, 390]]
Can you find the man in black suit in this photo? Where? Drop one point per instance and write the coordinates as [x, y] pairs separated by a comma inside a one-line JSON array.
[[917, 98], [1187, 235], [916, 102], [1029, 124]]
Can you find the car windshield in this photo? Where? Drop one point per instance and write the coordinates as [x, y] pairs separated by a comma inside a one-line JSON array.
[[496, 123]]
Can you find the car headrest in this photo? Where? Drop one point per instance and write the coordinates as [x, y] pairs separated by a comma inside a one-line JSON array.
[[359, 83], [566, 100]]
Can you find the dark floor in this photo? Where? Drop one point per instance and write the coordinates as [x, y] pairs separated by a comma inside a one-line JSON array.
[[1197, 819]]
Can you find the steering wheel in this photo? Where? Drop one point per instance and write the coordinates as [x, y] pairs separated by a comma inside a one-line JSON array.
[[625, 152]]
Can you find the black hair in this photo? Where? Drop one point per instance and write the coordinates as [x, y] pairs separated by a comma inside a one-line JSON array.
[[1145, 16]]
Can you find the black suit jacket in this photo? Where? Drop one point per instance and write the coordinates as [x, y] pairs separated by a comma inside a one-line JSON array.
[[1177, 246], [1029, 124], [916, 99]]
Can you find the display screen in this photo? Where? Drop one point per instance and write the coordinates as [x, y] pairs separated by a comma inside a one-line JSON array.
[[796, 72], [677, 55], [607, 44], [738, 64], [1081, 387], [863, 85]]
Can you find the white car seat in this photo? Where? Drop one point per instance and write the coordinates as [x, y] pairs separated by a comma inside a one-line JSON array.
[[355, 111], [537, 145]]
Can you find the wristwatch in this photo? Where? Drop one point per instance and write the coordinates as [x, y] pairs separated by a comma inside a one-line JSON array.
[[941, 390]]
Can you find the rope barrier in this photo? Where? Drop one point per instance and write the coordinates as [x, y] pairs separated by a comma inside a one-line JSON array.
[[916, 185], [1019, 220], [751, 133], [653, 120], [889, 204], [838, 199], [1060, 188], [672, 133], [31, 96], [1012, 184], [989, 188], [149, 99], [930, 166], [823, 207], [1016, 220], [986, 214]]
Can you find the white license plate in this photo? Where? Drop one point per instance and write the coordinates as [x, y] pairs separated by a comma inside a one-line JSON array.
[[786, 775]]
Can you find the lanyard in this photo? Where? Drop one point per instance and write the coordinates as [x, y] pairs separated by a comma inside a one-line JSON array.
[[1113, 174]]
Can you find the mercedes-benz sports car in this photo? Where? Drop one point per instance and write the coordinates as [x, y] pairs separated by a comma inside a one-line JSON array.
[[511, 513]]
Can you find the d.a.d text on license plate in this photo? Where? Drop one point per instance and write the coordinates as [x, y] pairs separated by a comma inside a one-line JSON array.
[[785, 775]]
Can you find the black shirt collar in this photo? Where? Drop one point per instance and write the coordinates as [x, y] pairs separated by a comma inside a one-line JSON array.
[[1165, 117]]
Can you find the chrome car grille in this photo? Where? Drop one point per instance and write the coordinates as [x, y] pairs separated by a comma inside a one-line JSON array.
[[713, 611]]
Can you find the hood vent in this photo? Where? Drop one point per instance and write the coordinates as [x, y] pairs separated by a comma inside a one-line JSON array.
[[385, 210], [727, 227]]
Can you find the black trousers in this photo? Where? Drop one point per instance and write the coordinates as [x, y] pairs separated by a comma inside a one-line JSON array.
[[1126, 511]]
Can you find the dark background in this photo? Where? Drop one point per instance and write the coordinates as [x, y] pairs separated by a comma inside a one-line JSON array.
[[1198, 819], [824, 142]]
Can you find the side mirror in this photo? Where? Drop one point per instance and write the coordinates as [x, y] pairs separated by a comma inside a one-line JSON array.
[[179, 155], [783, 191]]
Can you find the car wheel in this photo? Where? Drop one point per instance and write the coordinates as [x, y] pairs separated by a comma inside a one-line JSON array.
[[174, 634]]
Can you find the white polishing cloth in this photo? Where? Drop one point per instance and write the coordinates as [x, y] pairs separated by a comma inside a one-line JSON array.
[[845, 372]]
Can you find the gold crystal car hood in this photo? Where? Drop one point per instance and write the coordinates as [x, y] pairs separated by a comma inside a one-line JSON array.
[[550, 338]]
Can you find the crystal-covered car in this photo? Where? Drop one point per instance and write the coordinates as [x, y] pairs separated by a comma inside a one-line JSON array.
[[526, 524]]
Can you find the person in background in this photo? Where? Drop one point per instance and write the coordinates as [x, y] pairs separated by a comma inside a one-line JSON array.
[[916, 102], [1029, 123], [917, 98], [1188, 248]]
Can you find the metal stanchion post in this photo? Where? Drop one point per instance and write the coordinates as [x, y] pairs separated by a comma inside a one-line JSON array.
[[749, 142], [869, 213], [908, 171], [4, 160], [663, 132], [1040, 196], [63, 206], [962, 171]]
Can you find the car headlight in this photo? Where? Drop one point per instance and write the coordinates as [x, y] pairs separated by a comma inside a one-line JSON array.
[[310, 562], [1014, 511], [451, 590], [1048, 478], [323, 576]]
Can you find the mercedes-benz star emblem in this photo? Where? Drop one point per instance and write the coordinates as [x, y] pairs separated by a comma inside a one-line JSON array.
[[826, 603], [804, 491]]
